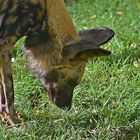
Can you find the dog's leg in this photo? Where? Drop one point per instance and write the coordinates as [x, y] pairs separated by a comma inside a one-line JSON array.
[[6, 86], [18, 20]]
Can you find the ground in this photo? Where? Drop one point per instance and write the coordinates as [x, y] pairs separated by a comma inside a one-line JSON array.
[[106, 105]]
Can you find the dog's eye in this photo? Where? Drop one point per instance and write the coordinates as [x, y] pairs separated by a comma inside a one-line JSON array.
[[61, 76]]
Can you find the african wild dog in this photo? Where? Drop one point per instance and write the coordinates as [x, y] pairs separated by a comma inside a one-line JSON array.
[[56, 53]]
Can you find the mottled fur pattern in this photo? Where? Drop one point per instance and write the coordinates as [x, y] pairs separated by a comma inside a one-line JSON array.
[[56, 53], [19, 18]]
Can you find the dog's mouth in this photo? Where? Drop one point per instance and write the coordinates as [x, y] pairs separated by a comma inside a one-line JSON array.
[[62, 98]]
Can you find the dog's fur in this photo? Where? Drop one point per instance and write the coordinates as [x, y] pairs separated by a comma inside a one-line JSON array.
[[56, 53]]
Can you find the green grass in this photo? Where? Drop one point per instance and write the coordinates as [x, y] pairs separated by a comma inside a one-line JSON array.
[[106, 105]]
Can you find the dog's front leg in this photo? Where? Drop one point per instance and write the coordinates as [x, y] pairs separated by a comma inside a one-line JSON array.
[[6, 86]]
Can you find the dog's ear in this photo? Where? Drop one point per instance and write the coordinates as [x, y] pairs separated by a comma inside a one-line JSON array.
[[88, 47], [98, 36], [83, 51]]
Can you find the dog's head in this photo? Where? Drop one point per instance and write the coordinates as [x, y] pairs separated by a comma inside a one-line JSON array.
[[62, 78]]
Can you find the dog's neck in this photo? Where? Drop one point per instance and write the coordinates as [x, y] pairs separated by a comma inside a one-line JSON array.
[[59, 21]]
